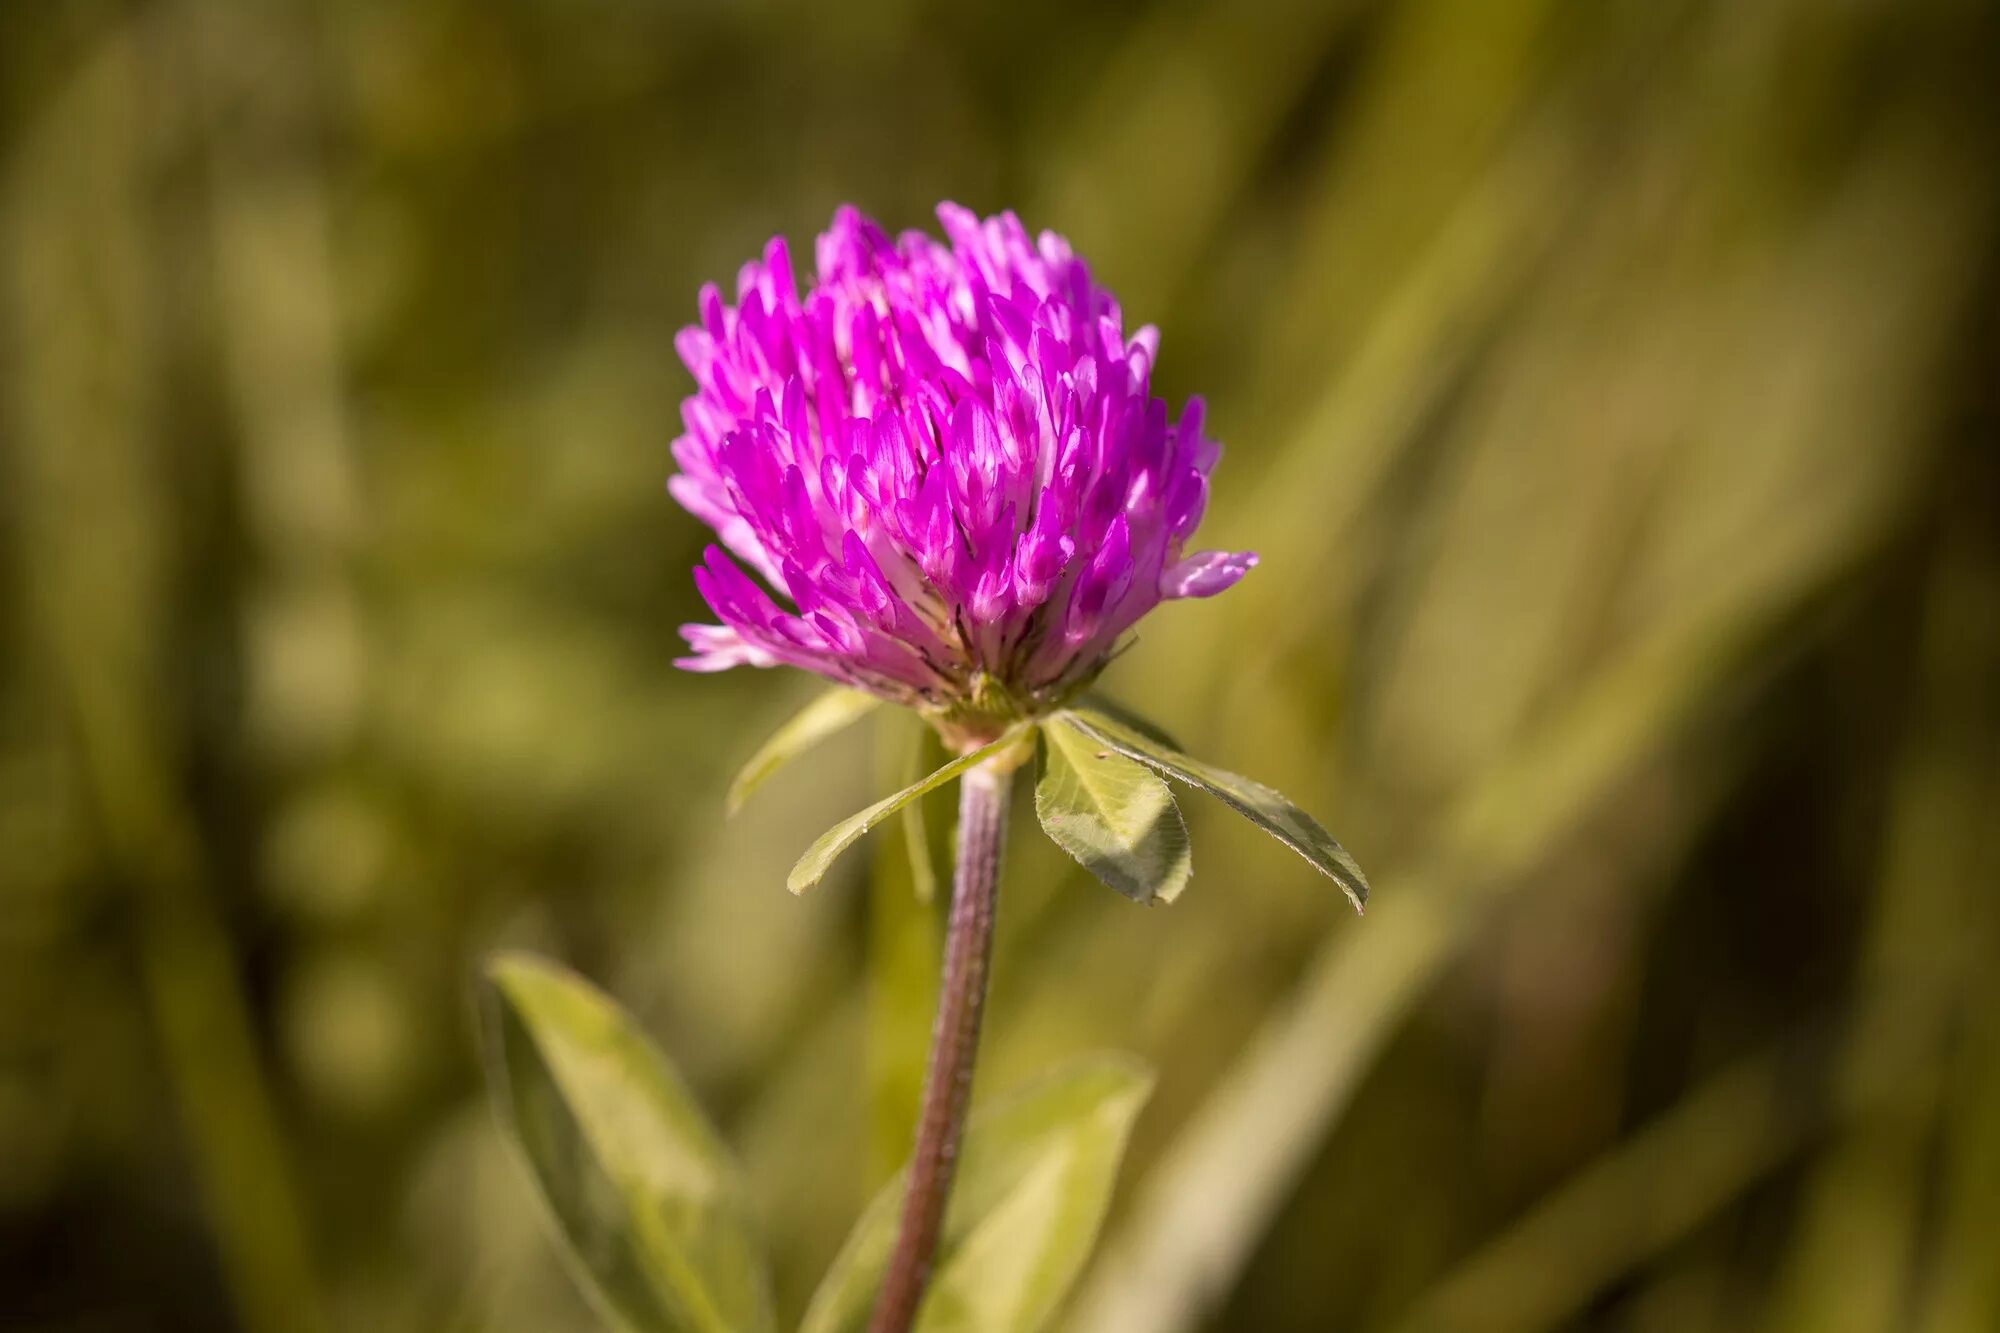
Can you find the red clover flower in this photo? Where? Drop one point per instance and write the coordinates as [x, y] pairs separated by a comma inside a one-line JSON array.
[[948, 459]]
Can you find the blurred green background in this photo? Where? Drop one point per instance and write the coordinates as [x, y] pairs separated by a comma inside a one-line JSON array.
[[1610, 389]]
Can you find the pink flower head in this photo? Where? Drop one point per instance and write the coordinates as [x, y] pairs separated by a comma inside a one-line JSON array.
[[948, 462]]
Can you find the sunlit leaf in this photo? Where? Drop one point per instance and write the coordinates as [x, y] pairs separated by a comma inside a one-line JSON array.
[[821, 718], [644, 1195], [841, 836], [1034, 1179], [1267, 809], [1113, 815]]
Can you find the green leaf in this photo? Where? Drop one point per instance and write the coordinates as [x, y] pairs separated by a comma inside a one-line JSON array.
[[1111, 814], [1267, 809], [1034, 1179], [829, 713], [841, 836], [645, 1197]]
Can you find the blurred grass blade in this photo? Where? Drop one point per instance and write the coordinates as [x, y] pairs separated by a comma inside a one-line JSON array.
[[1032, 1188], [829, 713], [1625, 1209], [843, 835], [1113, 815], [1267, 809], [646, 1198], [916, 829]]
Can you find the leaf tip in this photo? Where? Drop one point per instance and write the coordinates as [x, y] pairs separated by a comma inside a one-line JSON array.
[[1355, 885]]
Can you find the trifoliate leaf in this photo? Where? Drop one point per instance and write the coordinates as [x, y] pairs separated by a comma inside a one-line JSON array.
[[1112, 814], [1267, 809]]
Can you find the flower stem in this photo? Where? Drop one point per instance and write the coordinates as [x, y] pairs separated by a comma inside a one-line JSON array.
[[968, 948]]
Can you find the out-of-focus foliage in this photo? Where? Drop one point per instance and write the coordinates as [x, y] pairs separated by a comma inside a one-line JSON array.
[[646, 1195], [1609, 389], [1033, 1181]]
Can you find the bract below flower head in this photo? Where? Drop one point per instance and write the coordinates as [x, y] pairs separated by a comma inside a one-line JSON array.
[[947, 460]]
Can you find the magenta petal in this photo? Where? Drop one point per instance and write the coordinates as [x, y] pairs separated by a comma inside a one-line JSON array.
[[1206, 573], [718, 648]]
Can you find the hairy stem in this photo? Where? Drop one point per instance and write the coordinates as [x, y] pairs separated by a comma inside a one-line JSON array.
[[982, 825]]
